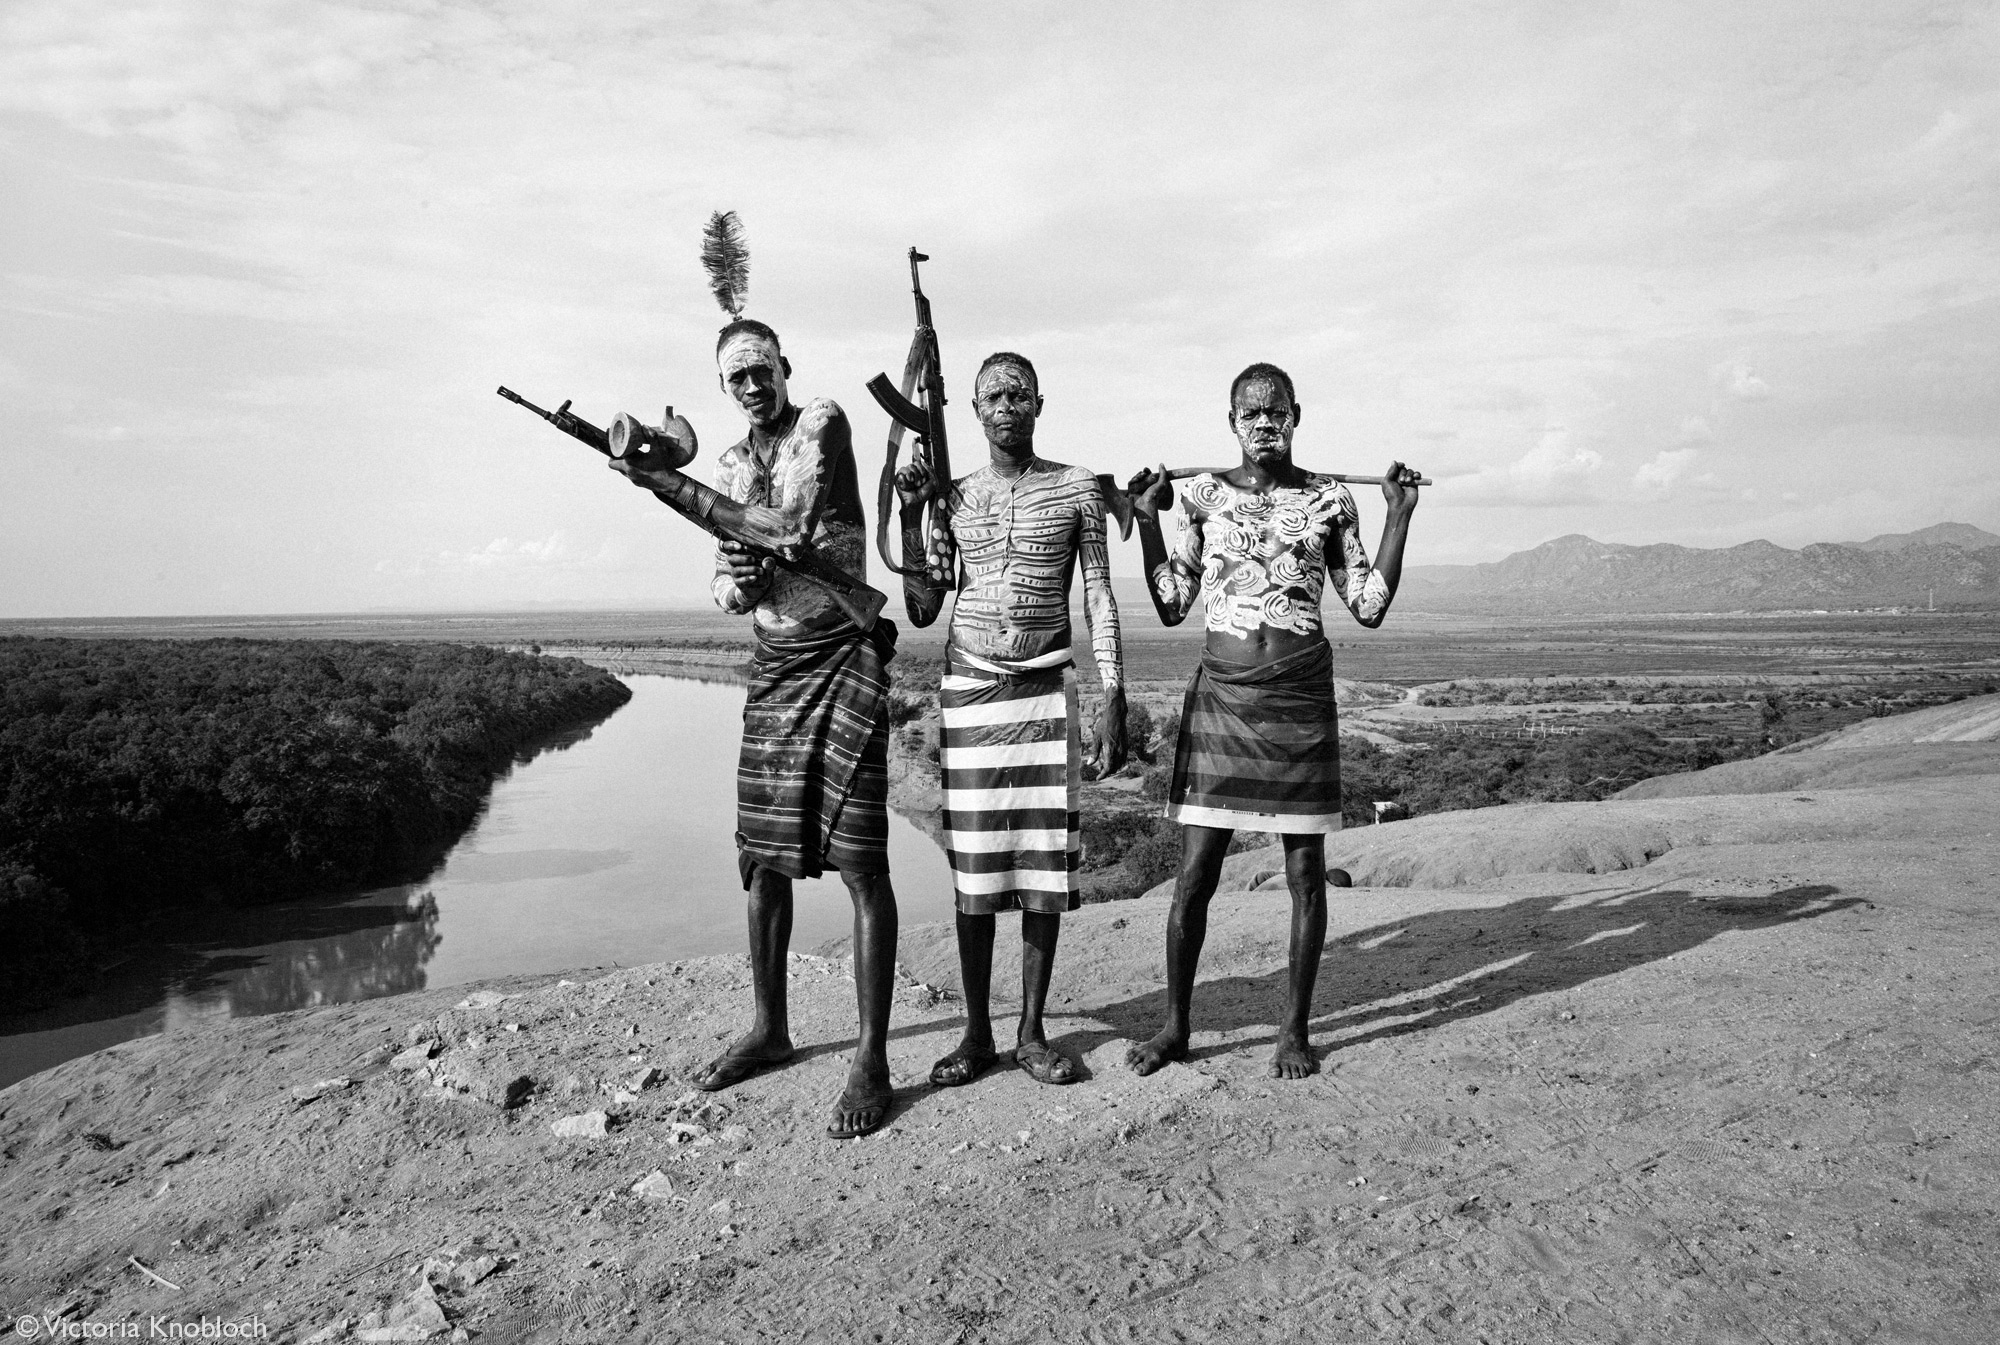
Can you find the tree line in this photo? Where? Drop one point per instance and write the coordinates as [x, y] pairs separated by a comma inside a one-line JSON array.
[[140, 776]]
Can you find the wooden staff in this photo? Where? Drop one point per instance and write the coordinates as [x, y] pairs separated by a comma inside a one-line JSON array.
[[1118, 503], [1183, 473]]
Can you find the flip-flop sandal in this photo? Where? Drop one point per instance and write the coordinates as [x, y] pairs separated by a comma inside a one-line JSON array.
[[1040, 1062], [841, 1105], [956, 1071], [726, 1071]]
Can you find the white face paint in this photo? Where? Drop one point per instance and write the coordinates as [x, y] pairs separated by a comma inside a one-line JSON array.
[[1006, 402], [1264, 419], [753, 374]]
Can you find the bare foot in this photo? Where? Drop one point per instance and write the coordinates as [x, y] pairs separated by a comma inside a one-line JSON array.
[[864, 1104], [1156, 1054], [1294, 1059], [749, 1054]]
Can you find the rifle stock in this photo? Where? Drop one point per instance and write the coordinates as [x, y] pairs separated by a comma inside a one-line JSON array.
[[697, 504]]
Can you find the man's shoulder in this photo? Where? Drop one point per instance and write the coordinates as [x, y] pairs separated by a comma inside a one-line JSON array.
[[1062, 474], [1327, 490], [819, 415]]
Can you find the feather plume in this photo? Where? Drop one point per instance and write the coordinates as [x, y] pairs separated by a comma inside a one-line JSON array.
[[726, 260]]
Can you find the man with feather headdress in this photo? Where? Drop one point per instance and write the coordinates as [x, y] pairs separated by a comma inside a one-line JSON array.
[[812, 782]]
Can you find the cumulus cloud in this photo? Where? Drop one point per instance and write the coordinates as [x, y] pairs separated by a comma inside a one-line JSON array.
[[1555, 471], [1739, 382], [1667, 466]]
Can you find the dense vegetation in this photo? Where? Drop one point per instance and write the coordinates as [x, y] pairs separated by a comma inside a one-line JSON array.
[[137, 776], [1472, 772]]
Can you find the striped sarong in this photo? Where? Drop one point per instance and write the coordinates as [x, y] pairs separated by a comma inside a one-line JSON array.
[[1012, 760], [812, 785], [1260, 746]]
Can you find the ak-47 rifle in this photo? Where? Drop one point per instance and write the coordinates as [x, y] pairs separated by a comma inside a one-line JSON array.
[[924, 366], [706, 509], [927, 423]]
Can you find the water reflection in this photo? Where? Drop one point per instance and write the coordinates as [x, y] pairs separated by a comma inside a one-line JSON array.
[[363, 962], [611, 845]]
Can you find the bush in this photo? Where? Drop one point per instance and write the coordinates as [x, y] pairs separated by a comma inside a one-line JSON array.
[[1139, 740], [905, 706], [1470, 772], [42, 953]]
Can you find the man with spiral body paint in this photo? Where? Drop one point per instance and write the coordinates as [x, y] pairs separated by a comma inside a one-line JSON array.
[[1014, 532], [812, 783], [1259, 746]]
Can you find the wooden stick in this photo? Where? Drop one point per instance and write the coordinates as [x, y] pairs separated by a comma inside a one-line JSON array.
[[151, 1276], [1183, 473]]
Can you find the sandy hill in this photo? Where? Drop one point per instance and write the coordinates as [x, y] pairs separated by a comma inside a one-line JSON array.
[[1716, 1068], [1962, 738]]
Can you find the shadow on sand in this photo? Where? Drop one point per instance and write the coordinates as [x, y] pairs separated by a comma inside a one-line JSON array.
[[1415, 974], [1443, 966]]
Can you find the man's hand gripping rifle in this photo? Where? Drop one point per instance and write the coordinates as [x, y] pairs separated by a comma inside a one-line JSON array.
[[926, 367], [927, 423], [652, 456]]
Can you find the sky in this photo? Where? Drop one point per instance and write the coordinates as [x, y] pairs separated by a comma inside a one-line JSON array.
[[1653, 272]]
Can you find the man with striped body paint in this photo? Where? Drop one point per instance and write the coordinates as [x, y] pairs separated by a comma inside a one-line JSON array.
[[1011, 755]]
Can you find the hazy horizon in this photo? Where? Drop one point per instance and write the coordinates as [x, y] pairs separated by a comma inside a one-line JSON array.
[[1130, 586], [1685, 273]]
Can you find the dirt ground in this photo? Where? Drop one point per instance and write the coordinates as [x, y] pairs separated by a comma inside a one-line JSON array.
[[1742, 1090]]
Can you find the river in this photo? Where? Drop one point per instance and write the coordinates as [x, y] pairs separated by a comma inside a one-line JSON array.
[[614, 847]]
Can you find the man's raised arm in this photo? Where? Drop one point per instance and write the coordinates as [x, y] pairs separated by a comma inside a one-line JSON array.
[[1173, 579], [1368, 590], [1100, 608], [923, 596], [1100, 611]]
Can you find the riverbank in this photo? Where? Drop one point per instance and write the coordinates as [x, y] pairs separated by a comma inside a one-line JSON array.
[[614, 845], [143, 777], [1734, 1094]]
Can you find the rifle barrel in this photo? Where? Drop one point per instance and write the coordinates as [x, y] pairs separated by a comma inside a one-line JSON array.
[[694, 502]]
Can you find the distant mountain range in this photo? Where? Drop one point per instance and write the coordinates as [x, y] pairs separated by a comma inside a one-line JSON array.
[[1577, 575], [1938, 534]]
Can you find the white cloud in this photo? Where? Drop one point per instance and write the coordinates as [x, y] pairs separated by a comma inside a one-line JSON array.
[[507, 556], [1945, 129], [1554, 471], [1737, 381], [297, 242], [1659, 475]]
